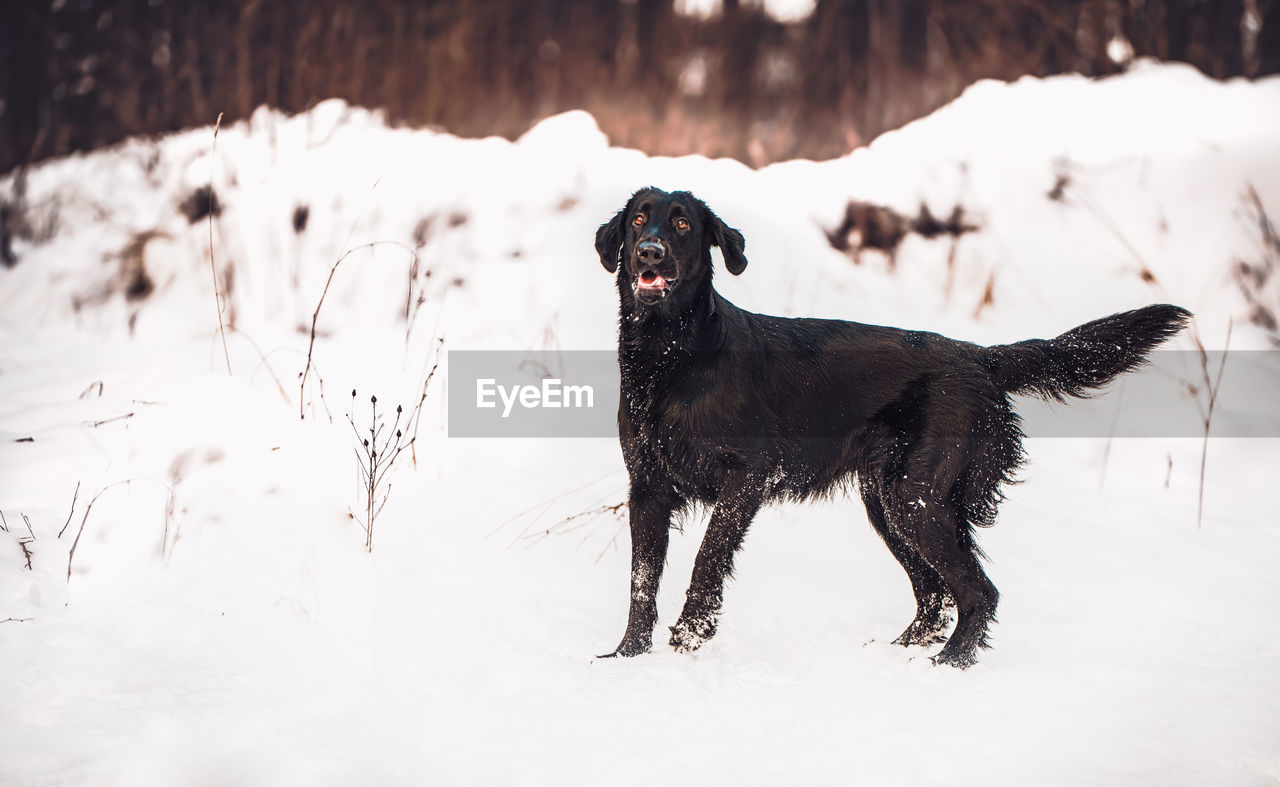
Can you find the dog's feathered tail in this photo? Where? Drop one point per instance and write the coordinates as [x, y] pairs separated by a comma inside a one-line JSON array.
[[1085, 358]]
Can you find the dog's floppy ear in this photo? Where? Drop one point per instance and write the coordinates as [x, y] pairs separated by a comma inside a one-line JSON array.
[[730, 241], [609, 241]]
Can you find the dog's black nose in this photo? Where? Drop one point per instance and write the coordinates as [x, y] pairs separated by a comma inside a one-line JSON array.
[[651, 251]]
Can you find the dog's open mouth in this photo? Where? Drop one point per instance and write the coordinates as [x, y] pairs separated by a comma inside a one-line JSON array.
[[651, 286]]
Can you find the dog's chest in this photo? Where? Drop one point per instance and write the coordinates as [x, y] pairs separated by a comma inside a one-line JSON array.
[[671, 433]]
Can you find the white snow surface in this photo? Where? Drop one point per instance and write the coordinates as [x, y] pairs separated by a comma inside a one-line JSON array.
[[222, 624]]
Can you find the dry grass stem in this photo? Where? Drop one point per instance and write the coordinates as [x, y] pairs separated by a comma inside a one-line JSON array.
[[1212, 385], [213, 268], [262, 362], [84, 520], [315, 315], [121, 417], [377, 453]]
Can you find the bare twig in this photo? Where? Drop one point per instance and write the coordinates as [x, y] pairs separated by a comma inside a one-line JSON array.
[[85, 393], [1270, 236], [410, 305], [265, 361], [377, 453], [415, 417], [558, 527], [1105, 219], [375, 460], [121, 417], [213, 269], [17, 620], [88, 508], [618, 510], [1255, 279], [262, 361], [3, 524], [324, 403], [372, 464], [1212, 387], [315, 316], [545, 504], [613, 542], [74, 496], [26, 541]]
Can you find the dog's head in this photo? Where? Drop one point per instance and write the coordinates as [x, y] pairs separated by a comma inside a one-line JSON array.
[[662, 243]]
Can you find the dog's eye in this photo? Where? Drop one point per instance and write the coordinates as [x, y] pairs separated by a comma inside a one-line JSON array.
[[638, 220], [682, 224]]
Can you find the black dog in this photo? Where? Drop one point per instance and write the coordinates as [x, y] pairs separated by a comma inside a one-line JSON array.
[[732, 409]]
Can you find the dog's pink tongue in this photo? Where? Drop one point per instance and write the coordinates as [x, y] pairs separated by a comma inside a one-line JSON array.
[[649, 279]]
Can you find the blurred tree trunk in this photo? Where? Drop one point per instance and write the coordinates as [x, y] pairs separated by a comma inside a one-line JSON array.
[[80, 73], [1268, 40], [26, 47]]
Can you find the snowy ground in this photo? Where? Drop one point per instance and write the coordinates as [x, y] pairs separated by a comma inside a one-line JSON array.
[[221, 623]]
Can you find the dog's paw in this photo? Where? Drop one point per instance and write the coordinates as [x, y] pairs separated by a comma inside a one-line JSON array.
[[925, 637], [688, 635], [630, 646], [926, 631], [957, 659]]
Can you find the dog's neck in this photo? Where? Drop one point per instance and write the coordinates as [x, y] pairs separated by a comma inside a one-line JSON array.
[[688, 321]]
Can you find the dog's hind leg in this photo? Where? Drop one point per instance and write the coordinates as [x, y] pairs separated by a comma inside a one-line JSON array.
[[933, 601], [928, 523], [651, 509], [739, 500]]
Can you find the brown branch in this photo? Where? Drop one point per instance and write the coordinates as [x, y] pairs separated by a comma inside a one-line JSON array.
[[588, 516], [546, 504]]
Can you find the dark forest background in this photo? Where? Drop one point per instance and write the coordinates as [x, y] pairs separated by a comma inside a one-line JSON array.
[[78, 74]]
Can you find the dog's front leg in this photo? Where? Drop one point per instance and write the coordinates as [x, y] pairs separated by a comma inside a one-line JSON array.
[[739, 500], [651, 510]]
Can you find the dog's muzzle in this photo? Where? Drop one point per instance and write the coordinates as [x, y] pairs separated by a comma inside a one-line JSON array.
[[649, 284]]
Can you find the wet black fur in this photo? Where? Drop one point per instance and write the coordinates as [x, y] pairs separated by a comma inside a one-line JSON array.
[[723, 407]]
